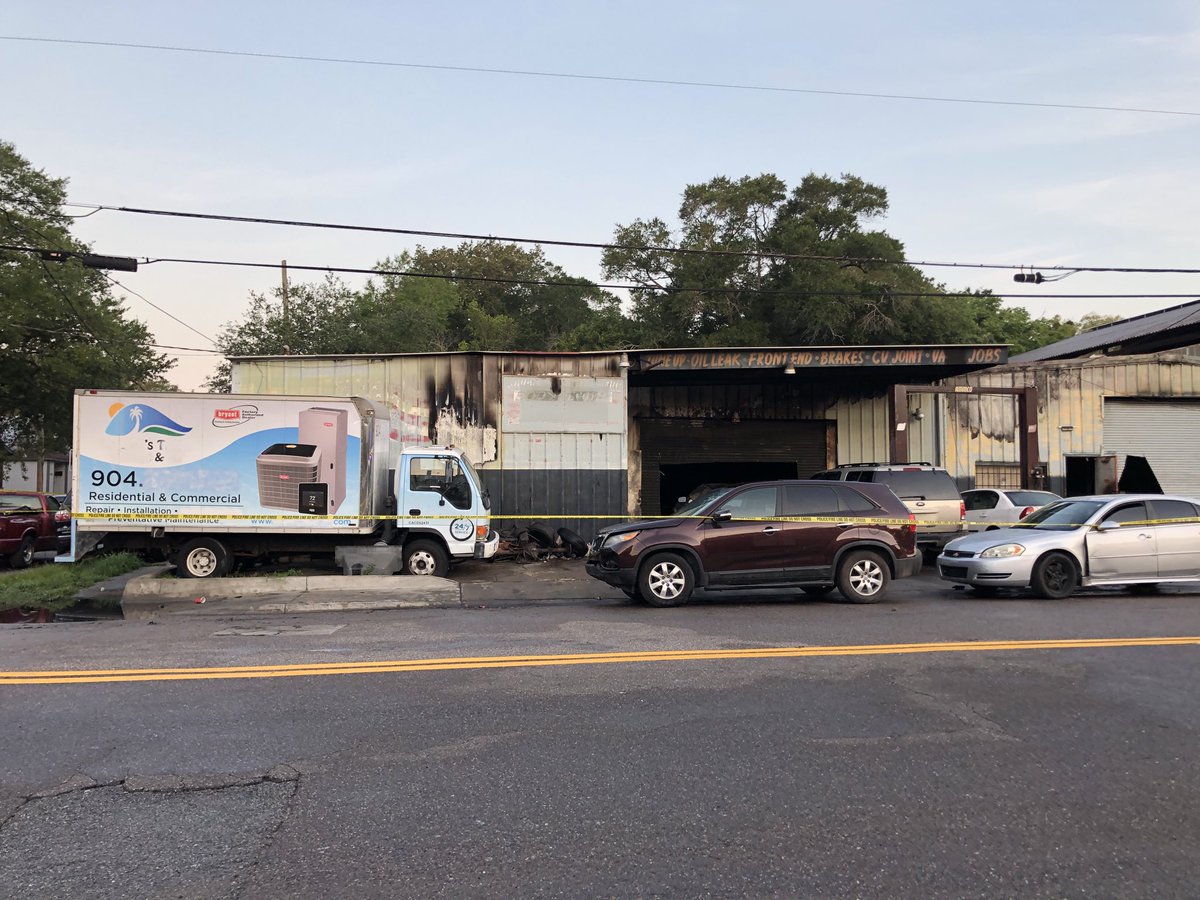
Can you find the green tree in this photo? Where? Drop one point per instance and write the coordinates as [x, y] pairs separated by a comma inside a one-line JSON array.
[[752, 263], [60, 326], [512, 298], [316, 318], [484, 295]]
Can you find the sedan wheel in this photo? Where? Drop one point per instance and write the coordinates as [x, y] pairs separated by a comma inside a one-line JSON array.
[[666, 580], [1055, 576]]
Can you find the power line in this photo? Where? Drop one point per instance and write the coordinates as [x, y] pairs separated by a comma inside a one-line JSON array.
[[159, 308], [580, 76], [347, 270], [596, 245], [198, 351], [881, 290], [108, 277]]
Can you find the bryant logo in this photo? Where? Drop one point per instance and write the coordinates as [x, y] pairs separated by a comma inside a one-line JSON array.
[[235, 415]]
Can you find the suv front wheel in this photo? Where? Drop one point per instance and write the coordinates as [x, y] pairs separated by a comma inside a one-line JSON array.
[[666, 580], [863, 577]]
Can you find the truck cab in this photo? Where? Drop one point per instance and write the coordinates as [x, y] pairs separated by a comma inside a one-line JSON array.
[[443, 511]]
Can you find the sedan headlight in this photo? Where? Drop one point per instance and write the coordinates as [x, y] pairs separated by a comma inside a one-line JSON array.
[[615, 540], [1002, 551]]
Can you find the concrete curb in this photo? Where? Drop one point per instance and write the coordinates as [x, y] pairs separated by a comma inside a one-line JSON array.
[[148, 595]]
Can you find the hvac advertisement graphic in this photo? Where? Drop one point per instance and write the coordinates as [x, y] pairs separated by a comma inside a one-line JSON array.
[[196, 460]]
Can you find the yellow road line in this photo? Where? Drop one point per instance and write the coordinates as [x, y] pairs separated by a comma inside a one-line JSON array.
[[97, 676]]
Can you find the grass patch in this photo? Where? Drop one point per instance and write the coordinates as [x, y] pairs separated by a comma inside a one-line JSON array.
[[53, 586]]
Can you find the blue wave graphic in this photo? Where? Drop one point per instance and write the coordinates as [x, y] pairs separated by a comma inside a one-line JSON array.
[[140, 417]]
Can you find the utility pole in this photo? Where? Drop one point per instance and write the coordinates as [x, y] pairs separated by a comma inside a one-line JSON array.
[[287, 322]]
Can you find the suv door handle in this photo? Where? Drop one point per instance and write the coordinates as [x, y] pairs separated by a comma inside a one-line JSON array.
[[771, 529], [846, 524]]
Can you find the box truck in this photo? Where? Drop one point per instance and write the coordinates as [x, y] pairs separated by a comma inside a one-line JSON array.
[[212, 479]]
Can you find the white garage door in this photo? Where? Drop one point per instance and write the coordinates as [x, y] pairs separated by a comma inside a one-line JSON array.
[[1166, 432]]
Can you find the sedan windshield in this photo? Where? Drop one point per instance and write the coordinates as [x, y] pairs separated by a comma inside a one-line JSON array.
[[698, 505], [1065, 516]]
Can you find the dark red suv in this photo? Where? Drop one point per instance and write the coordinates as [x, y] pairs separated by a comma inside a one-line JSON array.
[[741, 538]]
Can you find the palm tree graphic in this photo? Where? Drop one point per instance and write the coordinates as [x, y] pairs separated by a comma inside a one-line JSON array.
[[135, 413]]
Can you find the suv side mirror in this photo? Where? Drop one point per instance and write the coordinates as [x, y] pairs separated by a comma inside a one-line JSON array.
[[721, 515]]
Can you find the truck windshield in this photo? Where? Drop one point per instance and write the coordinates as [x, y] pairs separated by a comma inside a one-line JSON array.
[[478, 482]]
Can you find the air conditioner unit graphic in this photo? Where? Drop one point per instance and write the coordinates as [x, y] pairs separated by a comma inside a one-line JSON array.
[[325, 429], [282, 468]]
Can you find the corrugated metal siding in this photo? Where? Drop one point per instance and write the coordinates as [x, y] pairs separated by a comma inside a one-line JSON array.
[[457, 398], [1167, 433], [1070, 393]]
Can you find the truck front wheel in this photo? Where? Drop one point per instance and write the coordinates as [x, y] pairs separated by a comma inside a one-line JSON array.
[[426, 558], [202, 558]]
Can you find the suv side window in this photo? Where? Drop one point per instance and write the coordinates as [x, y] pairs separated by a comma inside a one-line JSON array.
[[850, 500], [810, 500], [756, 503]]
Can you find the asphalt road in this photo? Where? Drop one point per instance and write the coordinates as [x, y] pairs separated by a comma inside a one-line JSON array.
[[1000, 772]]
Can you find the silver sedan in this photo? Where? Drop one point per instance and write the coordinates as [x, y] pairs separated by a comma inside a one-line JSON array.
[[1137, 540]]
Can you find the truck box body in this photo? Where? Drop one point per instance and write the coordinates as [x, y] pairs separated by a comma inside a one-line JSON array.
[[228, 463]]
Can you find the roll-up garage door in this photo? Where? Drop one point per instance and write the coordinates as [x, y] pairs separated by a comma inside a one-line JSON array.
[[733, 452], [1165, 432]]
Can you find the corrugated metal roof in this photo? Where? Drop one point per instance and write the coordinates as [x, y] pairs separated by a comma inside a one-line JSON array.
[[1167, 329]]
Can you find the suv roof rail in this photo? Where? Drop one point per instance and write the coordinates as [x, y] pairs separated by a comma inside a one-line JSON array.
[[880, 465]]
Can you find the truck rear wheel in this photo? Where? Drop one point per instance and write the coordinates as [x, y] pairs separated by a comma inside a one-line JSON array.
[[24, 555], [426, 558], [202, 558]]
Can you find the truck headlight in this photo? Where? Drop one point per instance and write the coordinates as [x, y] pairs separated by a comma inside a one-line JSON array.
[[1002, 551], [616, 540]]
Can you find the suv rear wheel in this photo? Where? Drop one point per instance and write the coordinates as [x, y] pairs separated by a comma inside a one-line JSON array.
[[863, 577], [666, 580]]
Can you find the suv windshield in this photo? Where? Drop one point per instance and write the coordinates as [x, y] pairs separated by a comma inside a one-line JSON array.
[[698, 505], [1065, 516]]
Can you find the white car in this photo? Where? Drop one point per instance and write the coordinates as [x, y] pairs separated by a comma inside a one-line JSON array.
[[988, 508], [1134, 540]]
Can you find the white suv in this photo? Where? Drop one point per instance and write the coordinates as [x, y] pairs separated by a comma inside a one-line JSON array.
[[927, 490]]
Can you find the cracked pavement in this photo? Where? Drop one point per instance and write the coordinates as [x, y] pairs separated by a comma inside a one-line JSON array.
[[1067, 773]]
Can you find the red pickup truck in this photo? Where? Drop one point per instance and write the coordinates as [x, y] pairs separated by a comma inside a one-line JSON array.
[[31, 521]]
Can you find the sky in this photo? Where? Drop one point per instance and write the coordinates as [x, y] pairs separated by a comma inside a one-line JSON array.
[[406, 146]]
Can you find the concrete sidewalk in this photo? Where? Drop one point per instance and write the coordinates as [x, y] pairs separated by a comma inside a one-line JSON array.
[[145, 594]]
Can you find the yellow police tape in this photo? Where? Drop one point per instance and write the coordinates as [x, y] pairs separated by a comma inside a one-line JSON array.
[[211, 518]]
